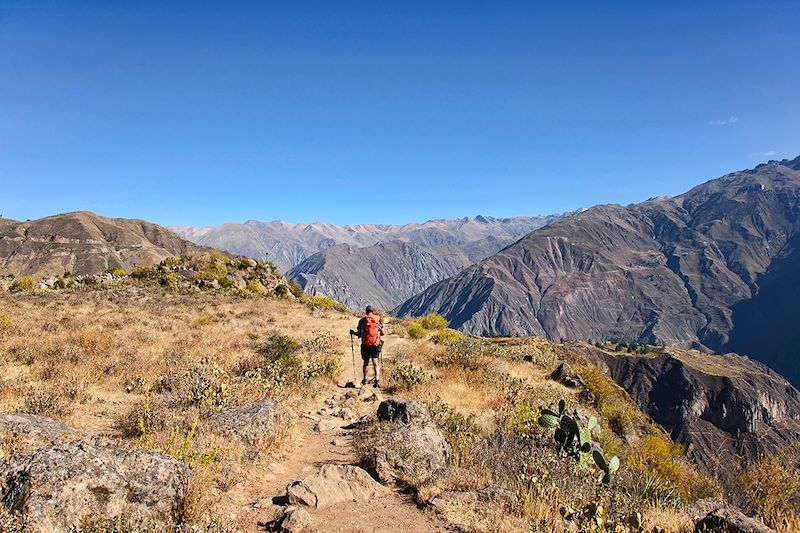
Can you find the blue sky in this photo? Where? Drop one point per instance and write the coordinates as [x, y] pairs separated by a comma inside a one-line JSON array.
[[385, 112]]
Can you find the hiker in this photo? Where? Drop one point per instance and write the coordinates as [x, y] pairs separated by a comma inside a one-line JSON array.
[[370, 331]]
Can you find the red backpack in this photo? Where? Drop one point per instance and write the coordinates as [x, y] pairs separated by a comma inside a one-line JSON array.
[[371, 334]]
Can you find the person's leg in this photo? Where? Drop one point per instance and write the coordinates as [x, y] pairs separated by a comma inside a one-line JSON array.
[[365, 360], [376, 366]]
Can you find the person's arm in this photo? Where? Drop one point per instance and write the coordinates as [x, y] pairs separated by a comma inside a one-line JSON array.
[[380, 326], [359, 329]]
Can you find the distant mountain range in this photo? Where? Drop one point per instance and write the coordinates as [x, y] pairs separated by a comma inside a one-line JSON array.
[[386, 274], [288, 245], [83, 243], [715, 268]]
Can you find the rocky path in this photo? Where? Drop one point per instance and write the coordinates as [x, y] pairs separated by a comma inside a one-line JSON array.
[[325, 437]]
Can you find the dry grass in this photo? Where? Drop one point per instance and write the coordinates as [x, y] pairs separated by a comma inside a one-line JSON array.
[[143, 365]]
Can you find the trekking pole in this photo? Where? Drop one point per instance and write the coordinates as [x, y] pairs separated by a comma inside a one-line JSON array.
[[353, 353]]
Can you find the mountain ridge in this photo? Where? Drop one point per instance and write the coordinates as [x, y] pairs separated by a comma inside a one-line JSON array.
[[662, 271]]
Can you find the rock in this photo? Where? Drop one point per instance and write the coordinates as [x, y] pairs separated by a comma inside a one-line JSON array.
[[58, 488], [335, 484], [587, 397], [566, 376], [414, 448], [715, 515], [24, 432], [404, 411], [346, 413], [326, 425], [254, 424], [351, 393], [338, 442], [295, 520]]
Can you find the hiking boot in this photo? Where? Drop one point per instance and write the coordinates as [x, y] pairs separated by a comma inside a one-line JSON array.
[[377, 384], [363, 382]]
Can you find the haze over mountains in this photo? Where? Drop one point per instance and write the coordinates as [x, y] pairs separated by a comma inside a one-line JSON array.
[[83, 243], [714, 268], [287, 245]]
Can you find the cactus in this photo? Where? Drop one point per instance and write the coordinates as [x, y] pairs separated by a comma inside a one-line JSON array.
[[576, 441], [608, 467]]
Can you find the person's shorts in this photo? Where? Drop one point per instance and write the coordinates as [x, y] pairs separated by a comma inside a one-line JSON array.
[[371, 352]]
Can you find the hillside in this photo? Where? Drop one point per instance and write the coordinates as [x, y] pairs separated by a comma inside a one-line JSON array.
[[686, 271], [193, 407], [83, 243], [287, 245], [386, 274], [726, 411]]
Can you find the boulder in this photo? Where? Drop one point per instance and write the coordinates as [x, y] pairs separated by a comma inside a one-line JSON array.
[[61, 487], [255, 425], [715, 515], [412, 448], [22, 432], [566, 376], [335, 484]]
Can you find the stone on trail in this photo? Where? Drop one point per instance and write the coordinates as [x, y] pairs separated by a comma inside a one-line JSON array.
[[335, 484], [413, 449], [295, 520]]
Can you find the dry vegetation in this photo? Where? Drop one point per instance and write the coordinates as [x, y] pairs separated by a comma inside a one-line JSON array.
[[146, 365]]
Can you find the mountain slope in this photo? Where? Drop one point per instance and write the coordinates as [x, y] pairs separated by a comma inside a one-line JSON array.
[[727, 411], [287, 245], [388, 273], [669, 270], [83, 243]]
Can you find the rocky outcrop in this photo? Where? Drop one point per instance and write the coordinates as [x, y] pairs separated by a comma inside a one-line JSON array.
[[411, 448], [61, 482], [715, 515], [684, 271], [288, 245], [253, 425], [335, 484], [83, 243], [726, 409]]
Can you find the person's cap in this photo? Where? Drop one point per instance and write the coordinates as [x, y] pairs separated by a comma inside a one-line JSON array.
[[370, 309]]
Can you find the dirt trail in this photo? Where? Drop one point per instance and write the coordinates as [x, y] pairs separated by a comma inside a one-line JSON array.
[[323, 437]]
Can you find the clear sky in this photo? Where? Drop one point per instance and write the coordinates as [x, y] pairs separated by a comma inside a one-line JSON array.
[[385, 112]]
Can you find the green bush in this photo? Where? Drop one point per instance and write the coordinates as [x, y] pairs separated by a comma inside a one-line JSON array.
[[117, 272], [24, 284], [415, 330], [142, 272], [255, 286], [204, 320], [433, 321], [324, 303], [446, 336], [170, 280], [170, 262], [281, 291]]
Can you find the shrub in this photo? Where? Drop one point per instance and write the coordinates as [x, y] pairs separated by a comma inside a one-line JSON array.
[[446, 336], [170, 280], [6, 326], [323, 303], [415, 330], [255, 287], [659, 458], [405, 376], [433, 321], [143, 272], [117, 272], [773, 485], [24, 284], [281, 291], [204, 320], [170, 262]]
